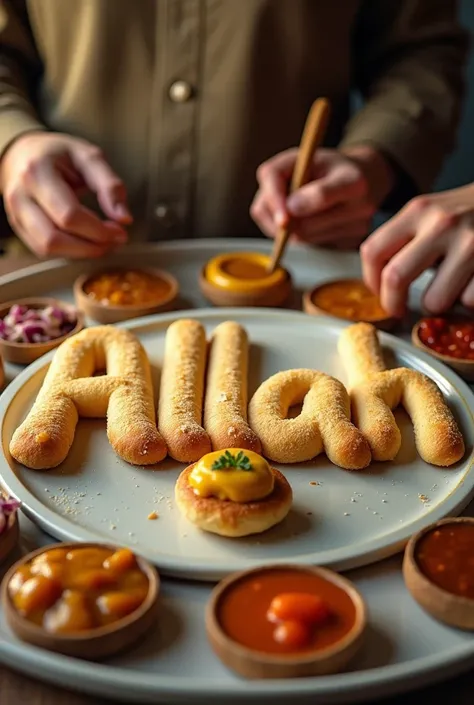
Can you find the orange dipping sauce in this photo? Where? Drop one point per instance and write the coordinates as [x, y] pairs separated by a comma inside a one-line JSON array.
[[129, 288], [445, 556], [246, 612], [349, 299], [66, 591]]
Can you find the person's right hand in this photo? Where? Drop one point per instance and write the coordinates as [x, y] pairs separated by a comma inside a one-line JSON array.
[[41, 175], [430, 228]]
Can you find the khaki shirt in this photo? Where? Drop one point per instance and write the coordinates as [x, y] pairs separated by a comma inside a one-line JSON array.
[[188, 97]]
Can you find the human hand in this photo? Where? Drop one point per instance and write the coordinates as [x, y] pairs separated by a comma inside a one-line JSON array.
[[335, 207], [41, 175], [429, 228]]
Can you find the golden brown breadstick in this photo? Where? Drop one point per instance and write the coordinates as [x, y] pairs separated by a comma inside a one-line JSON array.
[[124, 395], [324, 421], [438, 438], [360, 352], [225, 407], [181, 391]]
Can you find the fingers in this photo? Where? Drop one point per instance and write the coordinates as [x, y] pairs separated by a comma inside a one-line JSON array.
[[351, 234], [342, 183], [273, 177], [46, 240], [402, 249], [104, 182], [64, 209], [262, 216], [48, 170], [337, 196], [353, 216], [453, 275], [467, 298], [402, 270], [419, 254], [382, 245]]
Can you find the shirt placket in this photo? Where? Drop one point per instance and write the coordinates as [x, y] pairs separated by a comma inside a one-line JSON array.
[[174, 114]]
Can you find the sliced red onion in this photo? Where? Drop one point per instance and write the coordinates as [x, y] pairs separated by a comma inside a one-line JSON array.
[[24, 325], [7, 507]]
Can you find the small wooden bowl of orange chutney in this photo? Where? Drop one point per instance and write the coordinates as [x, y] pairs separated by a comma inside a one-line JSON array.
[[83, 600], [438, 568], [285, 621], [349, 299], [120, 294], [242, 279]]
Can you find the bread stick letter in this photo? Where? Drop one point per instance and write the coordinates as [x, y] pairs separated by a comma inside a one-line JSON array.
[[377, 391], [124, 395], [324, 421], [182, 391], [225, 408]]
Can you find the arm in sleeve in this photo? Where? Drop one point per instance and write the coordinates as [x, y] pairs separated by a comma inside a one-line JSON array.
[[19, 67], [409, 58]]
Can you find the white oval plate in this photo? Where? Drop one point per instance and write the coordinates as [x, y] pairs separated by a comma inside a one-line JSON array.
[[347, 519]]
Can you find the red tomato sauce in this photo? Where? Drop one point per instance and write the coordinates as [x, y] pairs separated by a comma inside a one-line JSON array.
[[454, 338], [446, 556], [243, 611]]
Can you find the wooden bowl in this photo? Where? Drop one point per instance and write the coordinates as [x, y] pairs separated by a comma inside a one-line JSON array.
[[228, 290], [94, 644], [112, 313], [25, 353], [385, 323], [255, 664], [453, 610], [9, 538], [464, 368]]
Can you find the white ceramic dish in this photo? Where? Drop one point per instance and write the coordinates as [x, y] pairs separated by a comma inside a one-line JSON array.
[[404, 649], [346, 520]]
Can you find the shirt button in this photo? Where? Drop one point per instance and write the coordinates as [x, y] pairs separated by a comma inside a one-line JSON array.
[[165, 215], [180, 91]]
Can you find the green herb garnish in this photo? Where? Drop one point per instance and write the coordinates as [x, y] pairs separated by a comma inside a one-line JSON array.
[[234, 462]]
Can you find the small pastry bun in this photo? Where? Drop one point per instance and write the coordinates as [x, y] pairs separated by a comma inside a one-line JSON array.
[[234, 519]]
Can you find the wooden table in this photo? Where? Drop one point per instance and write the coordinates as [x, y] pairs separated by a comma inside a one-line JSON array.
[[16, 688]]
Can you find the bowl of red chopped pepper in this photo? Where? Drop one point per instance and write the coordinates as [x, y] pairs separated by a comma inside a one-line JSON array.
[[449, 339], [9, 529]]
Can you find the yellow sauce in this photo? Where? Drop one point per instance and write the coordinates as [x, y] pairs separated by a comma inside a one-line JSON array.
[[243, 272], [232, 483], [245, 268]]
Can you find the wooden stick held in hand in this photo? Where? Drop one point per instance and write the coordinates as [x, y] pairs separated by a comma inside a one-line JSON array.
[[313, 135]]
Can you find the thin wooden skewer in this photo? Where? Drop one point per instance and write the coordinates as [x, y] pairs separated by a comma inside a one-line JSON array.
[[313, 135]]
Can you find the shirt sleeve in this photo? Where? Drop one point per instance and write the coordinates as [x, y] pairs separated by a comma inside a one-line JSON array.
[[19, 66], [409, 58]]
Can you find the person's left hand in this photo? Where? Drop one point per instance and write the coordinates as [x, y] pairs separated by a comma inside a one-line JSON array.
[[336, 206]]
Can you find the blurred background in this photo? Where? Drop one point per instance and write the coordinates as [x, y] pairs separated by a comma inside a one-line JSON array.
[[460, 167], [458, 170]]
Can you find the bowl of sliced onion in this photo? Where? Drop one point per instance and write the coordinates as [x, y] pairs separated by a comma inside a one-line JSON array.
[[9, 530], [31, 327]]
